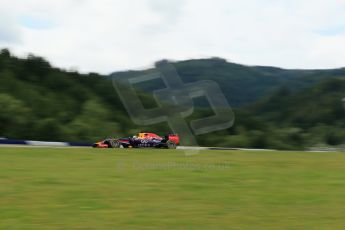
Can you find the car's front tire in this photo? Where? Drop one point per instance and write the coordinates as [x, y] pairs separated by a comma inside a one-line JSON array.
[[171, 145]]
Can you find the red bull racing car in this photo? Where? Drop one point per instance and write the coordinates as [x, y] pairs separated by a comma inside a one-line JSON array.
[[143, 140]]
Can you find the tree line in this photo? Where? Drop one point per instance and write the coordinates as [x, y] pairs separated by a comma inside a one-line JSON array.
[[41, 102]]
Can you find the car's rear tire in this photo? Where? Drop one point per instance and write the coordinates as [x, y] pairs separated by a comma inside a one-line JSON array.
[[171, 144], [114, 144]]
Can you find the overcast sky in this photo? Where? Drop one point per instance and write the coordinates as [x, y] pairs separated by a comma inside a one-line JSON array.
[[110, 35]]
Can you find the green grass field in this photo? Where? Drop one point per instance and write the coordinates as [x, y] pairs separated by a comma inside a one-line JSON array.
[[81, 188]]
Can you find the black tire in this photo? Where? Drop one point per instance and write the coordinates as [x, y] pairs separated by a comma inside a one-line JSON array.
[[171, 145], [114, 144]]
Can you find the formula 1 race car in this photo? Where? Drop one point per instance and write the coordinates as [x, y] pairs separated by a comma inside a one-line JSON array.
[[143, 140]]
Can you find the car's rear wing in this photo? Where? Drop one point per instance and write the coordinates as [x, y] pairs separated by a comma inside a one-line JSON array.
[[173, 137]]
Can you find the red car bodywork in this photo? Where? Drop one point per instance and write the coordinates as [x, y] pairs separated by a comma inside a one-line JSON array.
[[101, 144]]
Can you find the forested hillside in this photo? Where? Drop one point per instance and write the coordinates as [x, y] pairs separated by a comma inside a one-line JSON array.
[[45, 103], [243, 85], [314, 116], [274, 108]]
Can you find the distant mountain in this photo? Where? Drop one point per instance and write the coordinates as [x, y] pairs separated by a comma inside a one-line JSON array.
[[243, 84]]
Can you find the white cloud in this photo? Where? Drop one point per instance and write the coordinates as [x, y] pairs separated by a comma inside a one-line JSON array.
[[109, 35], [329, 51], [9, 31]]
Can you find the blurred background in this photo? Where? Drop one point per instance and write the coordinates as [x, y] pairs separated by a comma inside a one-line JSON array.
[[279, 64]]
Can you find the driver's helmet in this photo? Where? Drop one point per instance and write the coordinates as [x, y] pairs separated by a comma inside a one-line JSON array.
[[142, 135], [135, 137]]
